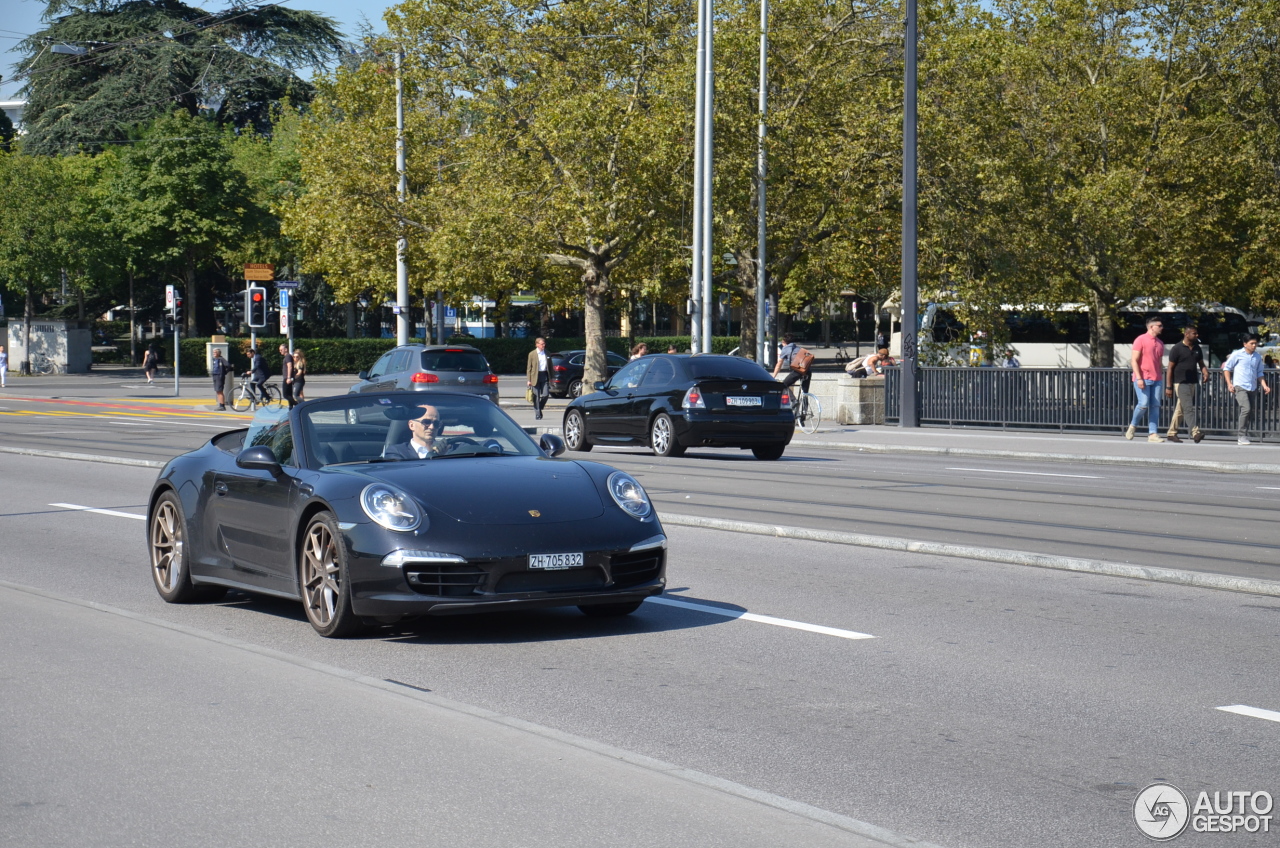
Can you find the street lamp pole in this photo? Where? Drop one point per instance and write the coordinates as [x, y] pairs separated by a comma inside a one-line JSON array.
[[695, 285], [708, 122], [909, 404], [761, 166], [402, 192]]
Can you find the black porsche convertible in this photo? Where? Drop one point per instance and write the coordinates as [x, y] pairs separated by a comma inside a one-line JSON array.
[[376, 507]]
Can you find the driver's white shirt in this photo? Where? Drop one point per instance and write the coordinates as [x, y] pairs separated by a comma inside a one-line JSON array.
[[423, 451]]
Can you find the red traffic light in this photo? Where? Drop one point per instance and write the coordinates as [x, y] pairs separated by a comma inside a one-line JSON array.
[[257, 296]]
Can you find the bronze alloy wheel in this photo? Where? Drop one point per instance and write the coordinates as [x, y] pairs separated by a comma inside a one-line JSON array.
[[167, 542], [166, 546], [325, 594]]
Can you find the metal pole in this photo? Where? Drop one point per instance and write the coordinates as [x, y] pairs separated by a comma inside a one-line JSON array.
[[177, 348], [439, 316], [708, 135], [761, 168], [695, 285], [910, 398], [402, 191]]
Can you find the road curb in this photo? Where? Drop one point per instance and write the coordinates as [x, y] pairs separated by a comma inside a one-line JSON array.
[[1202, 580], [1086, 459]]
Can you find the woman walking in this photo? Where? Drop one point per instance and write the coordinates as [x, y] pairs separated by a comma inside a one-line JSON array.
[[150, 362], [639, 350], [299, 374]]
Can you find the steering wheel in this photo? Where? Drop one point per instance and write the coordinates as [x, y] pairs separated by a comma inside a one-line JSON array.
[[458, 441]]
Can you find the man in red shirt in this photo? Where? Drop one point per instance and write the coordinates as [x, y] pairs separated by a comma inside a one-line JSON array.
[[1148, 373]]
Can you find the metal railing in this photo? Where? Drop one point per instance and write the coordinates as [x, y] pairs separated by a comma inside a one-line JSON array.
[[1097, 399]]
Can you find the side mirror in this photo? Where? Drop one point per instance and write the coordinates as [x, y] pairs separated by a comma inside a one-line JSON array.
[[363, 375], [258, 458], [598, 386], [551, 445]]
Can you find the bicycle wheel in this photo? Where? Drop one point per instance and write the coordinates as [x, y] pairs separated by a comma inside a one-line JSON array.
[[240, 398], [809, 414], [41, 364], [272, 399]]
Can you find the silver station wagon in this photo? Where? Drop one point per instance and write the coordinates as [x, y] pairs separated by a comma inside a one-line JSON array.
[[416, 367]]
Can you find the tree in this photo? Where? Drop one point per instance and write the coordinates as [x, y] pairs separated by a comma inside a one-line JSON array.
[[179, 201], [146, 57]]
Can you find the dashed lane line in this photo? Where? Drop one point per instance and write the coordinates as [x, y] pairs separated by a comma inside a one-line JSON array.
[[79, 508], [1029, 473], [761, 619], [1252, 712]]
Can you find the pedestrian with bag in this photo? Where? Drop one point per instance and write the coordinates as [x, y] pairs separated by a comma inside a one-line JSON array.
[[218, 370], [538, 374], [1243, 372], [1184, 375], [1148, 375]]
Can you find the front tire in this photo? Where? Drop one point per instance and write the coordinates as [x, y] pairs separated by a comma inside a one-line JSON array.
[[610, 610], [167, 542], [662, 437], [575, 432], [240, 399], [325, 580]]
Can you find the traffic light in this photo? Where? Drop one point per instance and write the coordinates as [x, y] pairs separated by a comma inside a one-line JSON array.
[[255, 306]]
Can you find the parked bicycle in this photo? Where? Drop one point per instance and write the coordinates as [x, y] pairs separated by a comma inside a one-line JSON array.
[[245, 396], [41, 364]]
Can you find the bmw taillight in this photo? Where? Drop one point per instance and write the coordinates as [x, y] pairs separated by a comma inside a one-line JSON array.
[[491, 378], [423, 377], [693, 399]]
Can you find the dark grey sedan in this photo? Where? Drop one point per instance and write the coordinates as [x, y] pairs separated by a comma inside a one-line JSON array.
[[416, 367]]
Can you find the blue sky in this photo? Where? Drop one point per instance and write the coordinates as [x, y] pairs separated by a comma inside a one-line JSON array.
[[20, 18]]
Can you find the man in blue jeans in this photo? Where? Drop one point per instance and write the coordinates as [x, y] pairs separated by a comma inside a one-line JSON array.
[[1148, 372]]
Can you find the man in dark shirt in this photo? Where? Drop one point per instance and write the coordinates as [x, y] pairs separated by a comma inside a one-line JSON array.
[[1185, 373], [286, 374]]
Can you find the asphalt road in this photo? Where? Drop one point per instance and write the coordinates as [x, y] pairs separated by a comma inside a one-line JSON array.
[[1171, 518], [995, 705]]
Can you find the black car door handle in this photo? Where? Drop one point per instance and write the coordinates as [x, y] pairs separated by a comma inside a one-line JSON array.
[[220, 487]]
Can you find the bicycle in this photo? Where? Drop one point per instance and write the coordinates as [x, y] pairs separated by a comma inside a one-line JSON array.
[[41, 364], [808, 410], [244, 396]]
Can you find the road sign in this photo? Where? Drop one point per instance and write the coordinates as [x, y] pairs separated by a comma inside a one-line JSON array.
[[284, 298], [284, 322], [259, 271], [288, 284], [451, 312], [168, 297]]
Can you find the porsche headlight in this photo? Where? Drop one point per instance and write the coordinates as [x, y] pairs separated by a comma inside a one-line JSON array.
[[390, 507], [629, 495]]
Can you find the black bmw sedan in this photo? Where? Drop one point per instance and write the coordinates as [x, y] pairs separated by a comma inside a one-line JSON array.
[[672, 402], [378, 506]]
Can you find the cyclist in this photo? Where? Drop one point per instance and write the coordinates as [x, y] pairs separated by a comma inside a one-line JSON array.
[[258, 375], [789, 350]]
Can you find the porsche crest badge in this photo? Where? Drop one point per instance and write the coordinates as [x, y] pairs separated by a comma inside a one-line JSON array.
[[535, 513]]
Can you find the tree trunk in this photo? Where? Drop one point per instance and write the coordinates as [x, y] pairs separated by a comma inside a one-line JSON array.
[[595, 287], [191, 304], [351, 320], [1102, 333]]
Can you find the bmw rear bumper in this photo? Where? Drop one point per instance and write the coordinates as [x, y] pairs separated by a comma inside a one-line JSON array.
[[697, 428]]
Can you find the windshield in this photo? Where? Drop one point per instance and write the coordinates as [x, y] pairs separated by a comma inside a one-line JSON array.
[[396, 427], [725, 368]]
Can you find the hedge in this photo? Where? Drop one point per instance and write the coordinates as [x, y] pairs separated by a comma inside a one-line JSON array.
[[349, 356]]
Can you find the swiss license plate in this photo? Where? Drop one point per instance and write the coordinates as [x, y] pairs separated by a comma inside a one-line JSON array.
[[743, 401], [555, 561]]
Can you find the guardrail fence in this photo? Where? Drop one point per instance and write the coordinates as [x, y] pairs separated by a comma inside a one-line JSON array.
[[1098, 399]]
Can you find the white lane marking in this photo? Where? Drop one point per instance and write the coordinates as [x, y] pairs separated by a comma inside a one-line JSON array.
[[130, 423], [80, 508], [1252, 712], [1031, 473], [762, 619], [1272, 488]]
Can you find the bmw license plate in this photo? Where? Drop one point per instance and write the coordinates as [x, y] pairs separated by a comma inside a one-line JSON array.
[[743, 401], [555, 561]]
